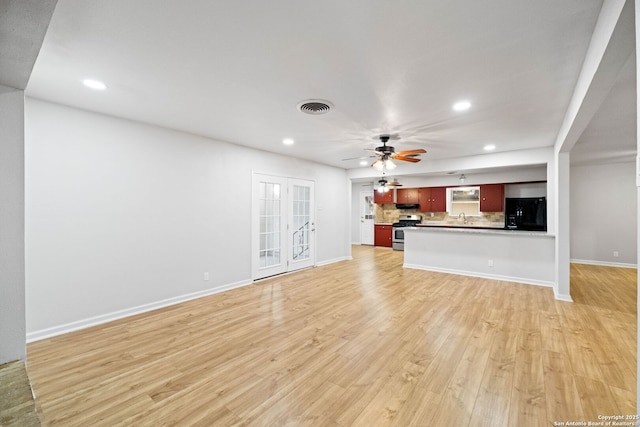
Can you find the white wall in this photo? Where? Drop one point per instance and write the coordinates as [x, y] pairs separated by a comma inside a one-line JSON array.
[[121, 214], [12, 282], [604, 213]]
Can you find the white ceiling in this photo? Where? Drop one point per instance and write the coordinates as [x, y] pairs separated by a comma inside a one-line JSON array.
[[235, 71]]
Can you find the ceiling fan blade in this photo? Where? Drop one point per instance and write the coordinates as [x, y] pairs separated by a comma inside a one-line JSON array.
[[407, 159], [359, 158], [412, 152], [376, 152], [394, 184]]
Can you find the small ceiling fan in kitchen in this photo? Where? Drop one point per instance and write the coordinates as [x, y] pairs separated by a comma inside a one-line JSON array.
[[384, 185]]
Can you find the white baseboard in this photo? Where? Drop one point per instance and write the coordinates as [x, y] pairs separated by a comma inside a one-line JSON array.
[[108, 317], [562, 297], [334, 260], [482, 275], [604, 263]]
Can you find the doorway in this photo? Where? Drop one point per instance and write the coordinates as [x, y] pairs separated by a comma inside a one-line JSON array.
[[283, 225]]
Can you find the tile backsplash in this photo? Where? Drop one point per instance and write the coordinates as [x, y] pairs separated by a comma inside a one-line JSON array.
[[389, 214]]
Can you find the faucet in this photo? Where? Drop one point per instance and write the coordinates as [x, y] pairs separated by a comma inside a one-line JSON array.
[[464, 217]]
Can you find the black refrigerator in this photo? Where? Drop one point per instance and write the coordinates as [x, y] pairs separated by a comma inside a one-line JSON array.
[[526, 213]]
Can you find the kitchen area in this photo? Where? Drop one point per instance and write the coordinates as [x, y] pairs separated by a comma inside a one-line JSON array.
[[492, 230]]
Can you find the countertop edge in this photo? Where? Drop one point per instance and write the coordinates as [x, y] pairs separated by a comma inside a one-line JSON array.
[[500, 231]]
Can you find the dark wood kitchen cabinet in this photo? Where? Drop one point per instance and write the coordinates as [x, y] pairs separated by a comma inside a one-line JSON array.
[[433, 199], [382, 235], [492, 198], [407, 195], [383, 198]]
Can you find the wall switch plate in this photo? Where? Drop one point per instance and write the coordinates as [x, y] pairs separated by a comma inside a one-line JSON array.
[[616, 253], [490, 263], [206, 275]]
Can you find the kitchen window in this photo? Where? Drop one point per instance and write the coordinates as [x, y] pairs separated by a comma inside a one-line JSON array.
[[463, 200]]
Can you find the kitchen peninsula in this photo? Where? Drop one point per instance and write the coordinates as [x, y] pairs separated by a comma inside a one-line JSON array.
[[512, 255]]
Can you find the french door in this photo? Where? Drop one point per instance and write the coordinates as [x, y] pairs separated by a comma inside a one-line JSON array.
[[283, 225]]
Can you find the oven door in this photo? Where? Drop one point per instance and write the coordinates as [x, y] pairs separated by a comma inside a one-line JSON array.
[[398, 238]]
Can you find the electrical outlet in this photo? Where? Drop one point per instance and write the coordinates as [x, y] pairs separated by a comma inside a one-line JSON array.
[[616, 253], [490, 263], [206, 275]]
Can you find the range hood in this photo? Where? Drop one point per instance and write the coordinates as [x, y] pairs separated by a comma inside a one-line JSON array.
[[407, 206]]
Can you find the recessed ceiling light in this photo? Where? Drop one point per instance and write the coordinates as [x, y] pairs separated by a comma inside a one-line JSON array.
[[287, 141], [363, 163], [94, 84], [489, 147], [462, 105]]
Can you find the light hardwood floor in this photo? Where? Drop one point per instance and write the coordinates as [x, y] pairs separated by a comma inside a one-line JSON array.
[[362, 342]]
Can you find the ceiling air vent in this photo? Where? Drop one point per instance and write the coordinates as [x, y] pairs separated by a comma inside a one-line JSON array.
[[315, 106]]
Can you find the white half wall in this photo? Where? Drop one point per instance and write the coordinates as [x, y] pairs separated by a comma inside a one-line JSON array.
[[12, 282], [517, 256], [604, 213], [121, 215]]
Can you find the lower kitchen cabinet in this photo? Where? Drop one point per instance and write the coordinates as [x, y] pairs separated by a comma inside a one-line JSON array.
[[383, 235]]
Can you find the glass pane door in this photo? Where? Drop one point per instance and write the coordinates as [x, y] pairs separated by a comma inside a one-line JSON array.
[[269, 226], [302, 226], [367, 215], [270, 221]]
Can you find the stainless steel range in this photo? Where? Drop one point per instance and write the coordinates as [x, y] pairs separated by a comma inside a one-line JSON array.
[[398, 229]]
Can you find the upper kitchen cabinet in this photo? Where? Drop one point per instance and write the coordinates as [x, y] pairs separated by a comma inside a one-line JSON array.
[[407, 195], [432, 199], [383, 198], [492, 198]]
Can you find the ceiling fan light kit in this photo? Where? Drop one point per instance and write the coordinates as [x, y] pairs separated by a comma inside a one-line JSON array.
[[382, 185], [383, 164]]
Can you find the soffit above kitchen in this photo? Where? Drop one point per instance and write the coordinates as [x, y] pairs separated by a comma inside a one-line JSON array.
[[23, 24], [236, 71], [610, 136]]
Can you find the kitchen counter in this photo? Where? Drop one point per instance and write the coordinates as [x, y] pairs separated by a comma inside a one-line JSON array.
[[483, 230], [511, 255]]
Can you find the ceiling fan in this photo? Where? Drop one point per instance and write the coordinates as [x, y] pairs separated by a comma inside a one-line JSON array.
[[384, 185], [387, 153]]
